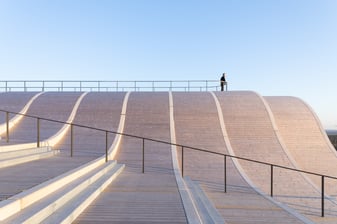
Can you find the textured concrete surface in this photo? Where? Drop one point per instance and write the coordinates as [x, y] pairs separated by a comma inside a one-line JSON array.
[[134, 197], [294, 140], [197, 125]]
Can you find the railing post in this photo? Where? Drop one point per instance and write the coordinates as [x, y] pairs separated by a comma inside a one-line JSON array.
[[143, 155], [106, 146], [322, 196], [71, 140], [7, 126], [271, 180], [225, 173], [182, 161], [38, 133]]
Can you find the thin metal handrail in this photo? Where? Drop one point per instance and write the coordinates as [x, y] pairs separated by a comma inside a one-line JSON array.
[[272, 165], [169, 143], [106, 86]]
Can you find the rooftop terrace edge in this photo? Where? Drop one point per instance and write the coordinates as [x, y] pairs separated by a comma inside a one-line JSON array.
[[110, 86]]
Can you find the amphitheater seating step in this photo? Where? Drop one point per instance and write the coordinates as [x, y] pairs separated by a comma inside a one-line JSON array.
[[67, 202], [205, 207], [15, 157]]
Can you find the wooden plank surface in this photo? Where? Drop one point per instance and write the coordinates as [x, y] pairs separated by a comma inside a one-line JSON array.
[[134, 197], [197, 124]]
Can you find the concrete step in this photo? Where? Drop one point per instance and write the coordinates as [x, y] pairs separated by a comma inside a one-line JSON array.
[[69, 212], [206, 209], [24, 199], [22, 152], [79, 191], [10, 159]]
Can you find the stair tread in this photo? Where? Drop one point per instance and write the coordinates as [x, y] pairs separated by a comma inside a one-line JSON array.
[[54, 196]]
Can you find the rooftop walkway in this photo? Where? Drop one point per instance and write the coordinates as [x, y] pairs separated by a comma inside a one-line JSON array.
[[14, 179], [134, 197], [253, 134], [279, 130], [197, 124], [307, 143]]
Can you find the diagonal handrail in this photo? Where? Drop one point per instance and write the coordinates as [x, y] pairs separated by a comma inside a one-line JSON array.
[[225, 156], [169, 143]]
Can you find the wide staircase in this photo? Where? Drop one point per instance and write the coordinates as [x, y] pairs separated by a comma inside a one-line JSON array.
[[163, 157]]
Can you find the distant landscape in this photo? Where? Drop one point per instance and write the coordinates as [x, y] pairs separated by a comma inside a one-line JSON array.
[[333, 137]]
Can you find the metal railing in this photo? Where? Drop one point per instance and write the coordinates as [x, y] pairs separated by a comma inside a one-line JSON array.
[[183, 147], [110, 86]]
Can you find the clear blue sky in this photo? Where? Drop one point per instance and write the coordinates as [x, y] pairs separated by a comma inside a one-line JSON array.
[[273, 47]]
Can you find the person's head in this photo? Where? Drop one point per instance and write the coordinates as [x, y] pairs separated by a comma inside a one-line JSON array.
[[223, 74]]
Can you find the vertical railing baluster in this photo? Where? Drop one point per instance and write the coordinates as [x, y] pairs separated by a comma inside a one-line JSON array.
[[106, 146], [38, 133], [71, 140], [7, 126], [143, 167], [271, 180], [322, 196], [182, 161], [225, 173]]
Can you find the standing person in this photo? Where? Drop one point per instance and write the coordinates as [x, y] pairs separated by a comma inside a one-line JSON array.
[[222, 81]]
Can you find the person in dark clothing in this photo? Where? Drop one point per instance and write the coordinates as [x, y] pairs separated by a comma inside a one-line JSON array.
[[222, 81]]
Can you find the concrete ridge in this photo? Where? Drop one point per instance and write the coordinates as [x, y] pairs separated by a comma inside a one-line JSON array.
[[327, 145], [285, 149], [283, 145], [191, 211], [319, 125], [116, 143], [24, 199], [243, 173], [51, 141], [17, 118]]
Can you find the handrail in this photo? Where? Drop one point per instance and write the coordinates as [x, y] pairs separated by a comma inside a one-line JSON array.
[[272, 165], [107, 86]]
